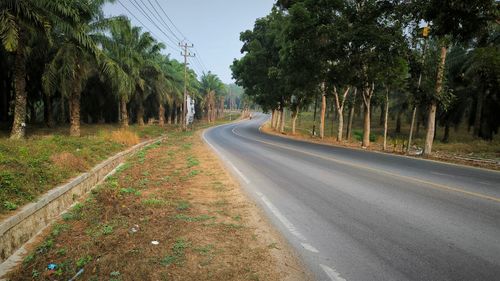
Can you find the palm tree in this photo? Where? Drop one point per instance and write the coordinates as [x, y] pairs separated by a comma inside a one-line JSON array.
[[125, 66], [211, 87], [74, 60], [21, 19]]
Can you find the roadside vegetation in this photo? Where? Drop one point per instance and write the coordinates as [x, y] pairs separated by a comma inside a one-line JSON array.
[[72, 82], [415, 73], [169, 213]]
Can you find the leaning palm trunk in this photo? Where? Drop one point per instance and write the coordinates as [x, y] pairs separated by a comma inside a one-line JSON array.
[[19, 125], [123, 112], [161, 115], [74, 114], [431, 120]]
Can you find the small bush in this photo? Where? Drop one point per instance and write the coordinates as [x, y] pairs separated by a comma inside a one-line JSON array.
[[125, 137], [358, 135]]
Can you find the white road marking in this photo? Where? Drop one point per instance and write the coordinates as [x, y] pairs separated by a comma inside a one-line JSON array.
[[334, 275], [282, 218], [440, 174], [308, 247], [485, 183], [245, 179]]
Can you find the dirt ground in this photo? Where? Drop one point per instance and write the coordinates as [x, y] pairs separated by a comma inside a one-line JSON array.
[[375, 146], [172, 212]]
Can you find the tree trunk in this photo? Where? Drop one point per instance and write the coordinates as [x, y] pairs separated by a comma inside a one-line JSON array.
[[123, 112], [278, 119], [295, 114], [366, 125], [477, 117], [367, 96], [19, 124], [446, 136], [282, 120], [431, 121], [349, 124], [410, 136], [273, 116], [48, 117], [140, 114], [351, 116], [381, 118], [314, 116], [74, 114], [386, 116], [174, 115], [161, 115], [398, 121], [322, 114]]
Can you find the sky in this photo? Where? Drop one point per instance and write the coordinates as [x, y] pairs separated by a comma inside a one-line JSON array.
[[213, 27]]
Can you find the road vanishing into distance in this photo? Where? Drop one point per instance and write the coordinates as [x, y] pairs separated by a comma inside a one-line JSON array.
[[358, 215]]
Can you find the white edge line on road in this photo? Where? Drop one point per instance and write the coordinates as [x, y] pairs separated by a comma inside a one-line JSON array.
[[334, 275], [308, 247], [331, 273], [282, 218], [245, 179]]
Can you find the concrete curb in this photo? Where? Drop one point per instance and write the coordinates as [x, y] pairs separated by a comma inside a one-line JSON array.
[[18, 229]]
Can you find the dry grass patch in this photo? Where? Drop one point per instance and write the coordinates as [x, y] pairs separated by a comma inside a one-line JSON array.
[[205, 228], [124, 137]]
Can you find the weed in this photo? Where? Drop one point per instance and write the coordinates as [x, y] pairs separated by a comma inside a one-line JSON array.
[[187, 145], [237, 218], [9, 206], [204, 250], [35, 273], [123, 167], [130, 190], [61, 252], [82, 261], [58, 228], [192, 161], [107, 229], [154, 202], [194, 173], [168, 260], [183, 205]]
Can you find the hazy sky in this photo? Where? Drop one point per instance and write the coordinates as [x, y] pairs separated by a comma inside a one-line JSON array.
[[213, 26]]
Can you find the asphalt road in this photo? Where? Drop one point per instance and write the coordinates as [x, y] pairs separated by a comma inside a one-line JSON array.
[[358, 215]]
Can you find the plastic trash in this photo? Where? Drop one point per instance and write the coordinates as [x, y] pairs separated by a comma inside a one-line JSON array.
[[52, 266], [154, 242], [134, 229]]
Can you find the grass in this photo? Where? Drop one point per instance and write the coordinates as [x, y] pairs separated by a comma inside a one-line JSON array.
[[109, 234], [47, 158]]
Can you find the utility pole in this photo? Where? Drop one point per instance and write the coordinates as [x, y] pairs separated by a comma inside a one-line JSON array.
[[186, 54]]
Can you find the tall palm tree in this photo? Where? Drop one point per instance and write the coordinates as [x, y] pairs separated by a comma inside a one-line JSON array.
[[211, 86], [21, 19], [122, 48], [73, 61]]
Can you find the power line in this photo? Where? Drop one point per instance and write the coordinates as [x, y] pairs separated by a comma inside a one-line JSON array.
[[143, 12], [168, 18], [162, 20], [145, 26]]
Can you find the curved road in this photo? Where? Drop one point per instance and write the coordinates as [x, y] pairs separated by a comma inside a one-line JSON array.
[[357, 215]]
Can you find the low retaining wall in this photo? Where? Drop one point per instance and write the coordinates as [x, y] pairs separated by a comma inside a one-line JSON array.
[[34, 217]]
